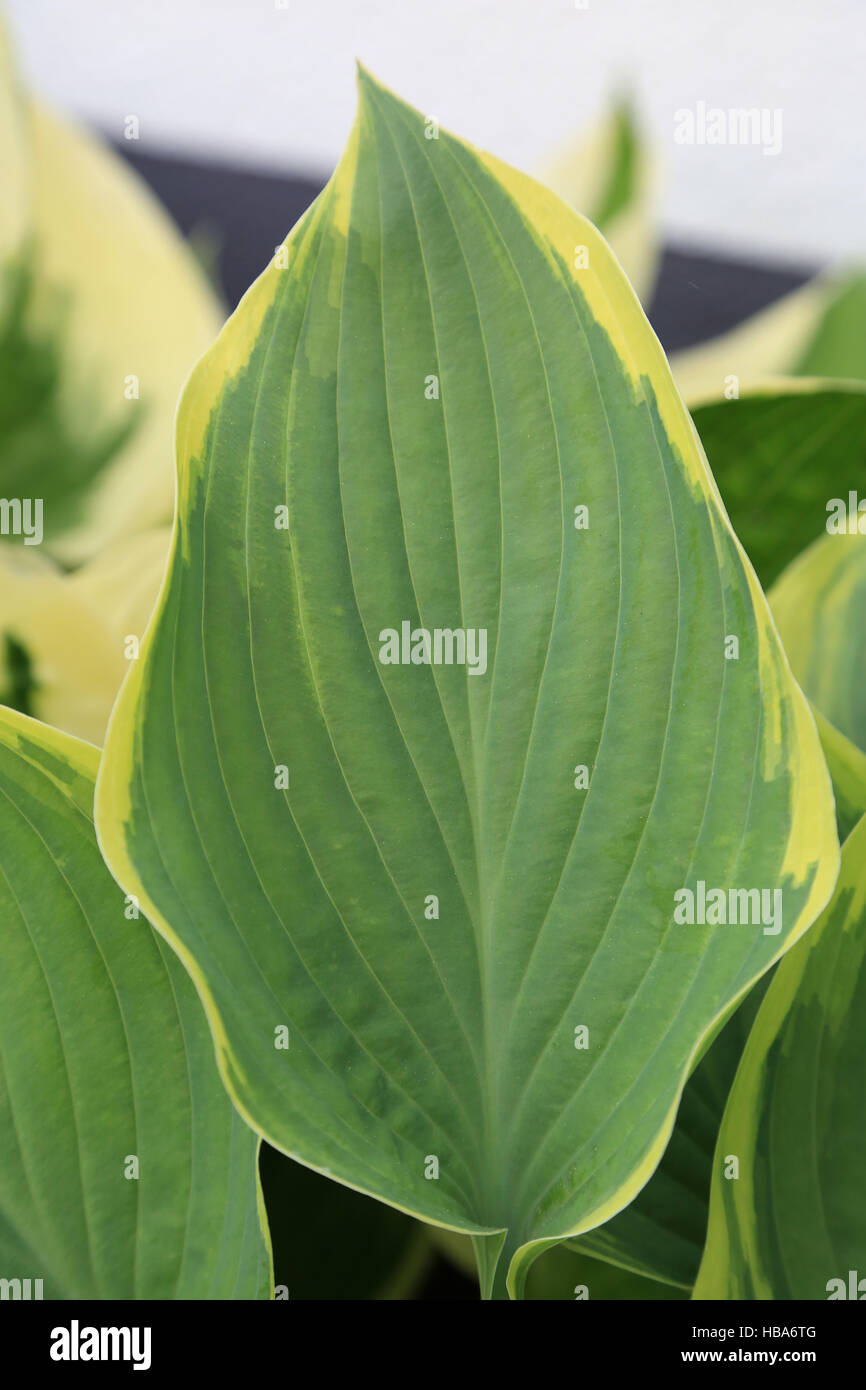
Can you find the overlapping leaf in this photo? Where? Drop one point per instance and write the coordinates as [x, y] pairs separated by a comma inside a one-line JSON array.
[[124, 1171], [401, 899], [660, 1236], [792, 1223]]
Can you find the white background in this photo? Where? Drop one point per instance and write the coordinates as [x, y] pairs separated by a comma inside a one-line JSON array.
[[248, 82]]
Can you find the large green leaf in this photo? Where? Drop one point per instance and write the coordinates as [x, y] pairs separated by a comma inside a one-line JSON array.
[[307, 907], [795, 1216], [777, 455], [105, 1059]]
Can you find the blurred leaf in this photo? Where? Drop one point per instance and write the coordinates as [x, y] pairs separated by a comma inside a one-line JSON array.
[[837, 347], [14, 188], [766, 345], [122, 582], [816, 331], [63, 637], [103, 240], [103, 311], [44, 451]]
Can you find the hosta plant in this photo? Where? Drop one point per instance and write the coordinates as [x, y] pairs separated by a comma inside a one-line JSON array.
[[462, 774]]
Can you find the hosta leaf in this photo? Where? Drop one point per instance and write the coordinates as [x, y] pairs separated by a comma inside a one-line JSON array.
[[661, 1234], [818, 606], [609, 176], [306, 911], [106, 1061], [795, 1218], [777, 455]]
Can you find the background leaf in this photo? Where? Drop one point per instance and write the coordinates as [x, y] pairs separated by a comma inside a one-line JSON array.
[[91, 271], [661, 1234], [818, 604], [778, 455], [818, 330], [837, 347], [795, 1218], [766, 345], [63, 637]]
